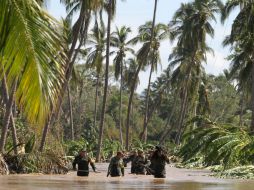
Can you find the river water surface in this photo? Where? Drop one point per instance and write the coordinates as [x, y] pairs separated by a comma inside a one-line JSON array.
[[177, 179]]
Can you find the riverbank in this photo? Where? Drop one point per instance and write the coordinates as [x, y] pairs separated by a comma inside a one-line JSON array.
[[177, 179]]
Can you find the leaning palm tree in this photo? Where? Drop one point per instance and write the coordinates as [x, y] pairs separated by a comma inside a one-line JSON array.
[[241, 40], [79, 34], [190, 26], [28, 41], [143, 52], [131, 81], [160, 33], [122, 45], [148, 90]]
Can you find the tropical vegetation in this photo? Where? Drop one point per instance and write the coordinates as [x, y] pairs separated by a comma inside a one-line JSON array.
[[72, 84]]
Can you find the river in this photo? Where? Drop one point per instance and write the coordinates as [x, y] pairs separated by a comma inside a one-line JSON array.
[[177, 179]]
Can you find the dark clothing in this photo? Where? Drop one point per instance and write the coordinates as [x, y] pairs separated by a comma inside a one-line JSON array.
[[140, 164], [158, 163], [83, 165], [131, 159], [116, 167]]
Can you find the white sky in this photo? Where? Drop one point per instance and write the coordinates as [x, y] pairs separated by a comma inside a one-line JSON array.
[[133, 13]]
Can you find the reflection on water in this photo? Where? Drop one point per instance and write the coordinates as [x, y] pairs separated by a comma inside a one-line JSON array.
[[177, 179]]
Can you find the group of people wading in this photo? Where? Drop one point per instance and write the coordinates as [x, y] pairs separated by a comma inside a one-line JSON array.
[[153, 164]]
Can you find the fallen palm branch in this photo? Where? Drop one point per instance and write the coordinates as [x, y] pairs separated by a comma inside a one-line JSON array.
[[46, 163]]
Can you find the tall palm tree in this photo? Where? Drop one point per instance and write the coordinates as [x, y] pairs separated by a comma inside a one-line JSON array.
[[242, 39], [67, 34], [110, 8], [96, 55], [160, 33], [120, 42], [131, 65], [144, 133], [79, 34], [133, 84], [143, 52], [131, 81], [190, 26], [28, 42]]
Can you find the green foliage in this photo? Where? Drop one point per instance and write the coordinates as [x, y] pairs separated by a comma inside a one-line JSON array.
[[110, 147], [242, 172], [30, 43], [73, 147], [226, 145], [46, 163], [29, 146], [139, 145]]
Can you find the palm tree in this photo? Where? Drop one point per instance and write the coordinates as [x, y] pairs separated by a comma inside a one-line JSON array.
[[110, 7], [131, 81], [26, 48], [96, 54], [230, 146], [144, 133], [119, 41], [133, 84], [190, 26], [67, 34], [160, 33], [143, 52], [79, 34], [241, 39], [131, 66]]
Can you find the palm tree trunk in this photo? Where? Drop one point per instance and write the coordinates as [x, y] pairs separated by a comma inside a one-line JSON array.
[[252, 100], [14, 134], [98, 154], [96, 100], [72, 55], [130, 106], [182, 127], [144, 133], [120, 106], [13, 127], [132, 120], [241, 109], [8, 114], [166, 129], [196, 102], [71, 114], [182, 114], [45, 132]]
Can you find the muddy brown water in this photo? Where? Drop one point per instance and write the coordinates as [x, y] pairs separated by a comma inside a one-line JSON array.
[[177, 179]]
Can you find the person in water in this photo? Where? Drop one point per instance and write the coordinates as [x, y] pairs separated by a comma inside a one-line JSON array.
[[158, 163], [131, 159], [83, 161], [140, 163], [116, 166]]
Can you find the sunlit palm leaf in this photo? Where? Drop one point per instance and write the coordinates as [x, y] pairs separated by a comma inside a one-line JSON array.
[[30, 49]]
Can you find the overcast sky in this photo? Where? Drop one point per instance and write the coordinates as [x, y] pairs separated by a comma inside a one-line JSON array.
[[133, 13]]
